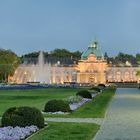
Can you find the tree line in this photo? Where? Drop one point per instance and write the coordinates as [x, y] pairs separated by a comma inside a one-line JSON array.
[[121, 58], [55, 53]]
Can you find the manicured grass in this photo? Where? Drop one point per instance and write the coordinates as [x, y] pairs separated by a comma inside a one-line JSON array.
[[93, 109], [35, 98], [61, 131], [67, 131], [38, 98]]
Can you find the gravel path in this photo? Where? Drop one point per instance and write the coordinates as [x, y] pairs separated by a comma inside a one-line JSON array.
[[78, 120], [122, 121]]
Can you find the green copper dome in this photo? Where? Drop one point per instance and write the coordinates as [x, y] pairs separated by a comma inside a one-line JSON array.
[[92, 49]]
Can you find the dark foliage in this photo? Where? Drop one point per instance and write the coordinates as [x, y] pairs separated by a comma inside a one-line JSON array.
[[84, 94], [96, 89], [101, 86], [9, 61], [22, 116], [57, 105]]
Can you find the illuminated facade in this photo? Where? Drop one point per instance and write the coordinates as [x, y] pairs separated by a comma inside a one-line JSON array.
[[92, 66], [57, 74], [122, 74], [91, 69]]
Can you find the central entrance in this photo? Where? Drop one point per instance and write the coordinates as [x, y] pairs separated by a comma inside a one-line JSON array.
[[92, 79]]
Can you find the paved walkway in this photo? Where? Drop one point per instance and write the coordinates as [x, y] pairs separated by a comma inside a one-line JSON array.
[[98, 121], [122, 121], [78, 120]]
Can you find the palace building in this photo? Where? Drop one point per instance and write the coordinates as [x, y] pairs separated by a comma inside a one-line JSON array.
[[92, 68]]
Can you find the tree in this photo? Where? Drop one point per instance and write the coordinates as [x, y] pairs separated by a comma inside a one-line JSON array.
[[8, 63], [77, 54], [138, 74], [106, 56], [123, 57], [61, 53], [138, 58]]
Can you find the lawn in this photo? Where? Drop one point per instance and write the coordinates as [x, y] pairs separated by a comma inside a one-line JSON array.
[[97, 107], [93, 109], [62, 131], [67, 131], [38, 97], [35, 97]]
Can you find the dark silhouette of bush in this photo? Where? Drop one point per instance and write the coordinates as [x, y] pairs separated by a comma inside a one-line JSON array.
[[84, 94], [97, 89], [101, 85], [23, 116], [57, 105]]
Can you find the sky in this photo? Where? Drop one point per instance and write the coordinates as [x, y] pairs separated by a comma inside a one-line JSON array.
[[33, 25]]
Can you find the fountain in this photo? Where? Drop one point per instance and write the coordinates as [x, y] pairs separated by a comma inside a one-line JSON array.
[[43, 70], [40, 76]]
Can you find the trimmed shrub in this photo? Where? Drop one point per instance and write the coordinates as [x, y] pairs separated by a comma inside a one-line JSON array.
[[95, 89], [101, 86], [84, 94], [57, 105], [23, 116]]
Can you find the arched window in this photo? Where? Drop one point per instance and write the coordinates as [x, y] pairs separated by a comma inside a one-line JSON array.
[[127, 76], [118, 76]]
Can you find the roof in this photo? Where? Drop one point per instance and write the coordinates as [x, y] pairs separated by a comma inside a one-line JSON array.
[[92, 49]]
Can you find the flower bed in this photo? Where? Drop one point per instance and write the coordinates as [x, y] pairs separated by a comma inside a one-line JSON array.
[[58, 112], [22, 87], [74, 99], [16, 133], [74, 106], [74, 103]]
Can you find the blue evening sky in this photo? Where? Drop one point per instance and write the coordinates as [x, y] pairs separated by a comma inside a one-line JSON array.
[[32, 25]]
